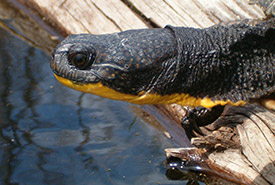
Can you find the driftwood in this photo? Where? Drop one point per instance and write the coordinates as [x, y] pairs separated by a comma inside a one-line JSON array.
[[239, 146], [241, 143]]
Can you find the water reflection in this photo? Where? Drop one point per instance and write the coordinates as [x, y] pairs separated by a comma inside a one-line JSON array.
[[53, 135]]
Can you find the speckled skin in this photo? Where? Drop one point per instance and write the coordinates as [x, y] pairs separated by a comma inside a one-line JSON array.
[[128, 62], [235, 62], [223, 62]]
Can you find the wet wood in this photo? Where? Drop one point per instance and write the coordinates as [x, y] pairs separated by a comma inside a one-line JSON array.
[[26, 26], [240, 145]]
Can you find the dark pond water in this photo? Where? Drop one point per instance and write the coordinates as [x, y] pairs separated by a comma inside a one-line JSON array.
[[51, 134]]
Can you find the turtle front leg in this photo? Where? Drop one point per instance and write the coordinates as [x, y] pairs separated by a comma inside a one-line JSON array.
[[200, 116]]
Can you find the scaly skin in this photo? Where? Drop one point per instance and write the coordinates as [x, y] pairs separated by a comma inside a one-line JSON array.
[[222, 64]]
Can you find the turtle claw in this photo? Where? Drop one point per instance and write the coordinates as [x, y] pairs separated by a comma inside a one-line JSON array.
[[199, 116]]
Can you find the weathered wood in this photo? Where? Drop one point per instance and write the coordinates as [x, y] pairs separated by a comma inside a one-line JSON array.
[[252, 159], [92, 16], [236, 164], [240, 143], [258, 144], [196, 13]]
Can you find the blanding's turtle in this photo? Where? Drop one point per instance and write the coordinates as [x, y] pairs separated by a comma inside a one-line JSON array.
[[231, 63]]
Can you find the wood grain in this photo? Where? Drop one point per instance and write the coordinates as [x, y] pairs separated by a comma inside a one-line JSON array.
[[196, 13], [89, 16]]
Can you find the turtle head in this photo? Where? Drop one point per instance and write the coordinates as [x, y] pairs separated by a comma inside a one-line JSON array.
[[123, 66]]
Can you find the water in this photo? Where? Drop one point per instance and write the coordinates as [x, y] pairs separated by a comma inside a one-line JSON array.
[[50, 134]]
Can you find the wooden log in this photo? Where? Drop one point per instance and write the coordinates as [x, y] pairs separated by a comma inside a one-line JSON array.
[[254, 153], [240, 143], [95, 16], [247, 153], [196, 13]]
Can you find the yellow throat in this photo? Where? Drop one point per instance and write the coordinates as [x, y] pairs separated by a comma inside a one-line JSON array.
[[145, 97]]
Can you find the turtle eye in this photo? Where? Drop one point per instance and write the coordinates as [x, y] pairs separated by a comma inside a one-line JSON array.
[[81, 59]]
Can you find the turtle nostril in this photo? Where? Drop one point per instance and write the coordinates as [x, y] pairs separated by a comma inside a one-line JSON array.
[[52, 58]]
